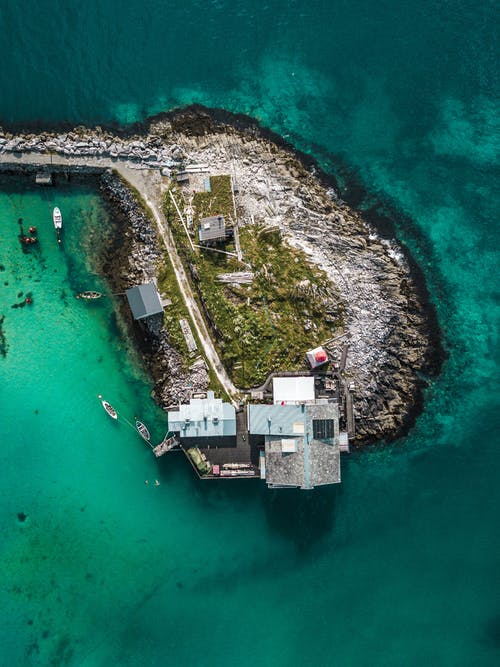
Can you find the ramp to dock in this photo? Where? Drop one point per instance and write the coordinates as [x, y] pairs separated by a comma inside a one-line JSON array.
[[351, 428]]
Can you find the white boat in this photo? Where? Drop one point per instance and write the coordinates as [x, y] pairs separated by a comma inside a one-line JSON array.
[[109, 408], [57, 218], [143, 431], [89, 295]]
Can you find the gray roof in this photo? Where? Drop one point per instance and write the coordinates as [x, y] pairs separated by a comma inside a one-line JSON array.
[[275, 419], [316, 460], [213, 227], [144, 301], [203, 417]]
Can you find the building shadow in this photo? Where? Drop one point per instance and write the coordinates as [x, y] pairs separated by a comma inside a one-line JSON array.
[[302, 517]]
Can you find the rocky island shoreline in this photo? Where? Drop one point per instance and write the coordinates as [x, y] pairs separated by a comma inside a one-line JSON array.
[[390, 325]]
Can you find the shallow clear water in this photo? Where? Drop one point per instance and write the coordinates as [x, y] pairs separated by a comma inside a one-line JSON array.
[[397, 566]]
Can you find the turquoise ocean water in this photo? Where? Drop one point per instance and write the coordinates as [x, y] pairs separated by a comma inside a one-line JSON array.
[[398, 566]]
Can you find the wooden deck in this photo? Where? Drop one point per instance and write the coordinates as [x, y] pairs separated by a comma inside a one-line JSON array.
[[44, 178], [242, 452], [349, 413]]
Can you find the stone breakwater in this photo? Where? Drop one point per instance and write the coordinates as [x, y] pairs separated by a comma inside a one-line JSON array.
[[143, 152], [390, 327]]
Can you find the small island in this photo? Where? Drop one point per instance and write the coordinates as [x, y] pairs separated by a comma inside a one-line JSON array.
[[279, 327]]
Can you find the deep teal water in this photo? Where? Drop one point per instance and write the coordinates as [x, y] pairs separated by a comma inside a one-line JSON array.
[[400, 565]]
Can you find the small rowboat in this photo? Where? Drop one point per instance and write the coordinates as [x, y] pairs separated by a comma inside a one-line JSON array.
[[89, 295], [109, 408], [143, 431]]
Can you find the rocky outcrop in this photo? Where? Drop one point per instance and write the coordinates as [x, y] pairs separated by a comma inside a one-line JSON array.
[[392, 332], [142, 151], [132, 260]]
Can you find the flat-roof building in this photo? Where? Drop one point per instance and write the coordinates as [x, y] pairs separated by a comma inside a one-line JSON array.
[[203, 422], [293, 390], [301, 443]]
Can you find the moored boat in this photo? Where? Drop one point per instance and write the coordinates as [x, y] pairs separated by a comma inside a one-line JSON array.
[[57, 218], [109, 408], [89, 295], [143, 431]]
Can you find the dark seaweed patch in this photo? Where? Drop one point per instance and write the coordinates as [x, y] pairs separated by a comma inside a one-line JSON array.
[[3, 340]]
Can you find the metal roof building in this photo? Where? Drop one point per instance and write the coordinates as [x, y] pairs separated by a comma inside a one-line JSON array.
[[293, 390], [286, 420], [144, 301], [203, 418], [301, 443], [212, 228]]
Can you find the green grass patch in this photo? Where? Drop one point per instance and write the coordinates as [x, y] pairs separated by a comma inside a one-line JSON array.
[[168, 287], [217, 202], [269, 325], [290, 307]]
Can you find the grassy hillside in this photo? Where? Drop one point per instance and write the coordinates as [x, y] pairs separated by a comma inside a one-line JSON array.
[[290, 307]]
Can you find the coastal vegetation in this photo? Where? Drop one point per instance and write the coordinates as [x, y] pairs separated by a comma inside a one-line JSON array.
[[268, 320], [270, 323], [168, 286], [218, 201]]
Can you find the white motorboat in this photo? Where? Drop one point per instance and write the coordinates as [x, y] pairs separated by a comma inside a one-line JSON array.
[[57, 218]]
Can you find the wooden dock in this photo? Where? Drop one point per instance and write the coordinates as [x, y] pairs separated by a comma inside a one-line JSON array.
[[343, 358], [166, 445], [351, 428], [44, 178], [235, 462]]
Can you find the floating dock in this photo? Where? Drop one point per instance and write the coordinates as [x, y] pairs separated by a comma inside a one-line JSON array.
[[44, 178]]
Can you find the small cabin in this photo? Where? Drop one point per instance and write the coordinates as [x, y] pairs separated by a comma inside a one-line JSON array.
[[212, 229], [317, 357], [144, 301]]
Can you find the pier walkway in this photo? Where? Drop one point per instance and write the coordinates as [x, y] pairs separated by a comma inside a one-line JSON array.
[[148, 182]]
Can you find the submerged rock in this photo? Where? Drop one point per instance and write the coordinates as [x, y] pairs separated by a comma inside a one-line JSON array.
[[3, 339]]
